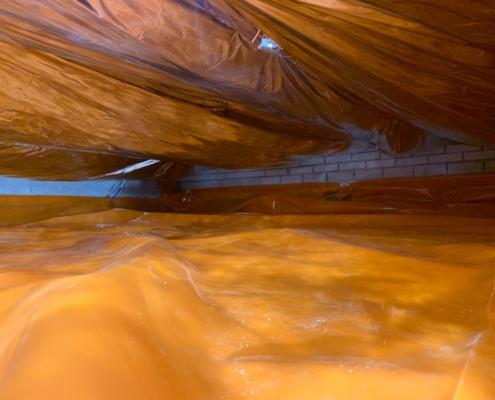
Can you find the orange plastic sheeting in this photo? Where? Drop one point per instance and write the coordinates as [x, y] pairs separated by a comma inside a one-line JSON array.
[[186, 80], [468, 195], [146, 79], [126, 305], [430, 64], [45, 162], [18, 210]]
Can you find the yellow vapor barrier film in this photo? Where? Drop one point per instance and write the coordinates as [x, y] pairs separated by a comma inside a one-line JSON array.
[[98, 86], [129, 305]]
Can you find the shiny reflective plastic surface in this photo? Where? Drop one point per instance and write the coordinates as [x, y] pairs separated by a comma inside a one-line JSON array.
[[463, 195], [99, 85], [131, 305]]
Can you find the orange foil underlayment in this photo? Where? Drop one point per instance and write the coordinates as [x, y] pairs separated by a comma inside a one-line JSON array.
[[98, 85]]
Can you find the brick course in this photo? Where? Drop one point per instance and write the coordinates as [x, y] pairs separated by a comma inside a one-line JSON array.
[[358, 163]]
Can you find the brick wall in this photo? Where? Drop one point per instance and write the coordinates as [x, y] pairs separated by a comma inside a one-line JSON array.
[[10, 186], [360, 162]]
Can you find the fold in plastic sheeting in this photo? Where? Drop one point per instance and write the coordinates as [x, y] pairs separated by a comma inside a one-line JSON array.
[[46, 162], [187, 80], [128, 305], [469, 195]]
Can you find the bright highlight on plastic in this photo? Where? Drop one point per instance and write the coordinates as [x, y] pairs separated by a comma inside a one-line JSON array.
[[268, 44]]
